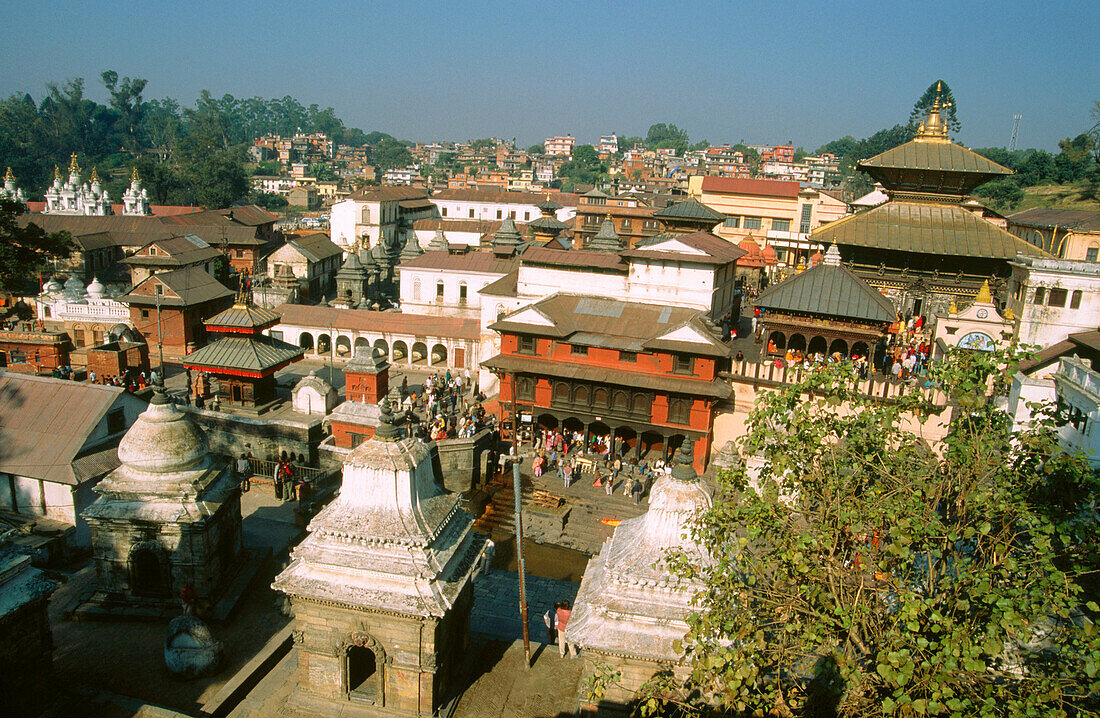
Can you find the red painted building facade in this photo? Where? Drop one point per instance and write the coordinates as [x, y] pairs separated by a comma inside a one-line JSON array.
[[644, 374]]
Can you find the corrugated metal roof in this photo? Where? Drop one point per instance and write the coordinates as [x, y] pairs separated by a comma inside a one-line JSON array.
[[943, 229], [193, 285], [45, 422], [244, 317], [691, 209], [251, 353], [830, 291], [1072, 219], [316, 247]]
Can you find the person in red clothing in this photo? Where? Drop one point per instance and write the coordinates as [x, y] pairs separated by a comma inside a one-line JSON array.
[[563, 620]]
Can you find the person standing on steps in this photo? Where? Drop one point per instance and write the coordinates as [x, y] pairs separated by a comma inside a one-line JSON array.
[[550, 618], [564, 646]]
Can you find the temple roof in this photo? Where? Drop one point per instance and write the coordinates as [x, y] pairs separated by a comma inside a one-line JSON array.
[[829, 290], [689, 209], [242, 317], [925, 228], [607, 239], [254, 355]]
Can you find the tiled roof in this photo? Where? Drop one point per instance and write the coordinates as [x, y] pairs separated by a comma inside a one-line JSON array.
[[316, 247], [501, 196], [193, 285], [45, 422], [485, 262], [716, 249], [506, 286], [387, 194], [632, 326], [691, 209], [248, 215], [257, 354], [925, 228], [759, 187], [573, 258], [177, 252], [1070, 219], [830, 291], [326, 318]]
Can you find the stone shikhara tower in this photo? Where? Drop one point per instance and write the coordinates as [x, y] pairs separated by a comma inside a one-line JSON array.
[[169, 516], [382, 586]]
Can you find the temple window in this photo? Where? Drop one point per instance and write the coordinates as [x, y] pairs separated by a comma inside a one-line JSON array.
[[781, 225], [683, 364], [1040, 295], [628, 356], [528, 345], [577, 350], [1092, 253], [462, 292], [1057, 298], [752, 223], [679, 411], [732, 222], [1075, 299]]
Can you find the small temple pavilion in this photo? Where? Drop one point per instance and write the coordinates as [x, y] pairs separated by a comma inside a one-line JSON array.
[[366, 383], [244, 359], [168, 517], [825, 310], [631, 610], [382, 586]]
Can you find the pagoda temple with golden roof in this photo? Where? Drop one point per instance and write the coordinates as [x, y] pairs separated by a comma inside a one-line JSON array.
[[926, 246]]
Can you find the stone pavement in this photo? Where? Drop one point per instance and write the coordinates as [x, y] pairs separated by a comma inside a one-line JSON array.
[[496, 604], [500, 686], [127, 658]]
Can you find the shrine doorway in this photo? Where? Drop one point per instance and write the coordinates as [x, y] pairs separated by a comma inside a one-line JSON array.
[[147, 571], [797, 343], [817, 346], [362, 668], [860, 349], [839, 346]]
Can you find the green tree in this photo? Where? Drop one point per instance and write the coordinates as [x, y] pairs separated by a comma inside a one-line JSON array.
[[322, 171], [1003, 194], [269, 200], [126, 100], [584, 167], [535, 149], [667, 136], [25, 248], [920, 109], [217, 181], [863, 572], [391, 154]]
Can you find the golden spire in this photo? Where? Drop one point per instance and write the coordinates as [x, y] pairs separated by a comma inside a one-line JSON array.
[[56, 173], [73, 166], [134, 175], [8, 176], [95, 175], [984, 295], [934, 127]]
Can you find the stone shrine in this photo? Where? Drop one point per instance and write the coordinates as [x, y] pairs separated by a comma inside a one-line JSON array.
[[631, 610], [169, 516], [77, 196], [382, 586]]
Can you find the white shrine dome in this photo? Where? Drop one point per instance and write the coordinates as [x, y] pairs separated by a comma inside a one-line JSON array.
[[163, 440], [95, 289], [52, 286]]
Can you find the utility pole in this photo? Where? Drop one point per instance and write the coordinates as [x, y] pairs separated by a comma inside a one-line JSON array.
[[160, 340], [517, 489]]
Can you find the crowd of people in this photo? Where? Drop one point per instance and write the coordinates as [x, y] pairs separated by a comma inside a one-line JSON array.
[[445, 408]]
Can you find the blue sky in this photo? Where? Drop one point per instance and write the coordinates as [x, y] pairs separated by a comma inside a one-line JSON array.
[[761, 72]]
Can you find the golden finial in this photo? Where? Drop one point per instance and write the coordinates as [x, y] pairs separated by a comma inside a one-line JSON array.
[[953, 308], [134, 175], [1009, 315], [984, 295], [73, 166], [934, 127], [9, 176], [56, 173], [95, 175]]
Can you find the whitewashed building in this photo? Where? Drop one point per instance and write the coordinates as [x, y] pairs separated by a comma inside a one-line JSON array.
[[375, 212], [497, 205], [1053, 298], [1075, 387]]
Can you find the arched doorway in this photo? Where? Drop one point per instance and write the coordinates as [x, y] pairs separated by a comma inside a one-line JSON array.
[[343, 346], [305, 340], [323, 344], [361, 344], [548, 422], [674, 442], [400, 351], [778, 342], [599, 430], [385, 347], [839, 346], [573, 426], [628, 440], [860, 349], [362, 670], [439, 355], [147, 574], [797, 343], [419, 353], [653, 444], [817, 346]]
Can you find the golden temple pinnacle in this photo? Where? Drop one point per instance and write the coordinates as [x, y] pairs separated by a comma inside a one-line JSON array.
[[73, 166], [9, 176], [134, 175], [95, 175], [934, 128]]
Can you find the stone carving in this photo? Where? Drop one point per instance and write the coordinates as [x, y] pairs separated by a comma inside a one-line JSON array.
[[190, 649]]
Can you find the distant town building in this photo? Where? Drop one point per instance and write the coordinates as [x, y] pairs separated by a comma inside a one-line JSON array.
[[1053, 298], [311, 260], [608, 143], [1064, 233], [376, 213], [559, 145], [497, 205]]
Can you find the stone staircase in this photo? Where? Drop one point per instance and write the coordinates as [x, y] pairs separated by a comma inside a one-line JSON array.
[[499, 518]]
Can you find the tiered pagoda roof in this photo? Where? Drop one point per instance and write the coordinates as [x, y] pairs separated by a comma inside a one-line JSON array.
[[245, 350]]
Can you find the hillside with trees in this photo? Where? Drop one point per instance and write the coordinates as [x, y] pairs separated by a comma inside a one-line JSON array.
[[186, 155]]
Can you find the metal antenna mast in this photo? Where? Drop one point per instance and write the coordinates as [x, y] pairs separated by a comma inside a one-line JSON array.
[[1015, 132]]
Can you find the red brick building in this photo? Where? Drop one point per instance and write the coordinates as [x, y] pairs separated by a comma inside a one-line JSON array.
[[33, 352], [187, 297], [366, 382], [645, 374]]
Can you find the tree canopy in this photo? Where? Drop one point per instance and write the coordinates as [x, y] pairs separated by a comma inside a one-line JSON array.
[[864, 572], [26, 249]]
